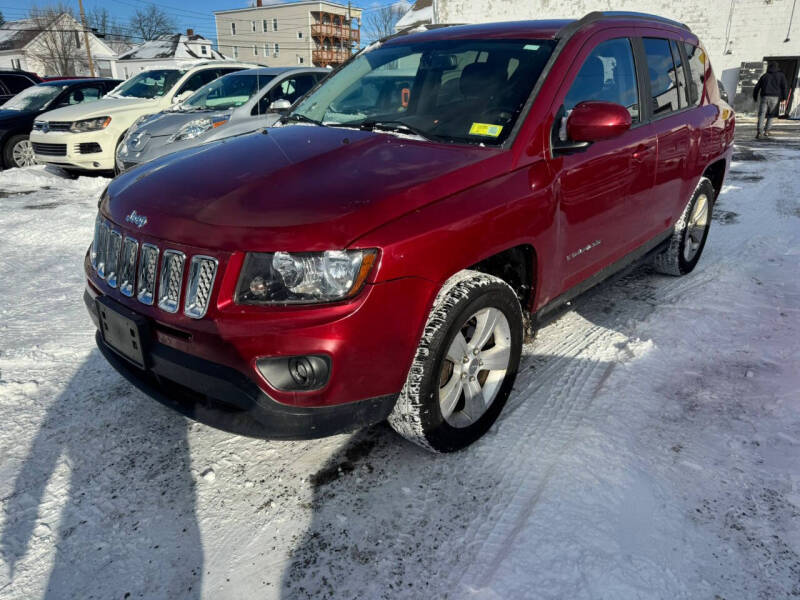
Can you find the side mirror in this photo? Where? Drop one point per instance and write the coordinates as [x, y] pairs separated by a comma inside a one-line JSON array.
[[596, 121], [181, 97], [280, 105]]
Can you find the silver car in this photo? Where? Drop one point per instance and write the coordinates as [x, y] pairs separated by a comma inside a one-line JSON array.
[[237, 103]]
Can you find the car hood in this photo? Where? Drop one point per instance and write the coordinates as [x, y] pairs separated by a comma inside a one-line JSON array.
[[296, 188], [101, 108]]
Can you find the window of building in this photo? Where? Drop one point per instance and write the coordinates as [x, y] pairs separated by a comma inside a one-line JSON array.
[[77, 39], [255, 50], [696, 61], [300, 60], [266, 48], [264, 25], [236, 52], [276, 49], [203, 49], [299, 35], [233, 28], [253, 25], [609, 75], [15, 64], [274, 24], [663, 76]]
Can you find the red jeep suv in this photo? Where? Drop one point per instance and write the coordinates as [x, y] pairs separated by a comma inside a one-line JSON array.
[[383, 251]]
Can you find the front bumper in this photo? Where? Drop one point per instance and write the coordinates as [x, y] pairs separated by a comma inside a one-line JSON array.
[[90, 151], [224, 398]]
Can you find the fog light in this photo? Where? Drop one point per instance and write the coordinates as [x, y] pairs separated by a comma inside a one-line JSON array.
[[295, 373]]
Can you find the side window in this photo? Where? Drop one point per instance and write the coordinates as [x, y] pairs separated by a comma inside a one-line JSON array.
[[608, 75], [696, 61], [683, 90], [663, 76], [198, 80], [3, 90], [16, 83]]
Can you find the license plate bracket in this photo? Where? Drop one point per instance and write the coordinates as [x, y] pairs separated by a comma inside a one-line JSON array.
[[123, 330]]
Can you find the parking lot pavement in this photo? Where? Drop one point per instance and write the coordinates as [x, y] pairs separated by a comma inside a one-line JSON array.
[[649, 448]]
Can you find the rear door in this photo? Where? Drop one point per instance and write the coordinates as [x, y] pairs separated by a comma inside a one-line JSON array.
[[672, 121], [603, 188]]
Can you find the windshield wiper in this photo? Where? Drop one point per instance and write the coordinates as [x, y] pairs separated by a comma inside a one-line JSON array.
[[396, 126], [301, 118]]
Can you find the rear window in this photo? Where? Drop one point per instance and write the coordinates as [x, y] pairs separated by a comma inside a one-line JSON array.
[[663, 76]]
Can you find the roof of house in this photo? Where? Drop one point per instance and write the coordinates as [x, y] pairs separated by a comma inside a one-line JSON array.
[[15, 35], [421, 13], [171, 46], [353, 9]]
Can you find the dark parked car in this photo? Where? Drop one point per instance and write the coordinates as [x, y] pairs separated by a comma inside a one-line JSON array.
[[17, 115], [385, 259], [13, 82]]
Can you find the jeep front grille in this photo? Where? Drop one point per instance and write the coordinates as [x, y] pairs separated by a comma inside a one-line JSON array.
[[112, 258], [134, 268], [202, 272], [169, 285], [127, 266], [146, 286]]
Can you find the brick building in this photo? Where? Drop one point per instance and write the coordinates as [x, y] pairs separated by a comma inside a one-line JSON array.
[[738, 34], [287, 35]]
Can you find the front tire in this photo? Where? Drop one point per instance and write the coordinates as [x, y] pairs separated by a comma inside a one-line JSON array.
[[465, 364], [18, 152], [690, 233]]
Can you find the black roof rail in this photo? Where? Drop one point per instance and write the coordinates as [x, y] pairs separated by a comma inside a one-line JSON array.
[[592, 17]]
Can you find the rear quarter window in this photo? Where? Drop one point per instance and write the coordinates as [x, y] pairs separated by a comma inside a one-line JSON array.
[[696, 61]]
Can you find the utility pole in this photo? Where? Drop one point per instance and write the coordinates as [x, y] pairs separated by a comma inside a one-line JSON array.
[[86, 38]]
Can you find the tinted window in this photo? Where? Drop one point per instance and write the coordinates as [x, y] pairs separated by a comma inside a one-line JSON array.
[[608, 75], [683, 89], [16, 83], [80, 95], [198, 80], [696, 61], [663, 76]]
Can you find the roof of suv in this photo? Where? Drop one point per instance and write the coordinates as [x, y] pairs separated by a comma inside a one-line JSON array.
[[280, 70]]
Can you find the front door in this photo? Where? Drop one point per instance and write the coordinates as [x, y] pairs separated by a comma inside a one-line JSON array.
[[603, 187]]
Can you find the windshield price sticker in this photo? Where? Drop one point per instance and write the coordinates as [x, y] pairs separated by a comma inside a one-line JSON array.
[[485, 129]]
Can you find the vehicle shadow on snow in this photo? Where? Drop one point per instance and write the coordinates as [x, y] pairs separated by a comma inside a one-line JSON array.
[[107, 482], [392, 520]]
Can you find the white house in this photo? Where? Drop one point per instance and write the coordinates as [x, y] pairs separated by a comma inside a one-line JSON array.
[[739, 35], [169, 51], [24, 45]]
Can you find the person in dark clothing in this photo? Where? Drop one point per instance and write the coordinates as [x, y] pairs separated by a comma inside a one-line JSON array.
[[772, 89]]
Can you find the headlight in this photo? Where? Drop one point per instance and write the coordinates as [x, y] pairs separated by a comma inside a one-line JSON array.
[[90, 124], [303, 278], [199, 126]]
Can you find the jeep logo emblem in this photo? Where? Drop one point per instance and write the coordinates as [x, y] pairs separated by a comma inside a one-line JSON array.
[[138, 220]]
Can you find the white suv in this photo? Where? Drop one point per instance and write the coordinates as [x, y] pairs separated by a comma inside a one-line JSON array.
[[84, 137]]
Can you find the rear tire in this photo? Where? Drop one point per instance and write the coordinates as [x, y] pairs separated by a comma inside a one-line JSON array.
[[465, 364], [690, 233], [18, 152]]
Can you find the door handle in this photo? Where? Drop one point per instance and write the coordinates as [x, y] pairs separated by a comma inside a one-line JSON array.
[[640, 154]]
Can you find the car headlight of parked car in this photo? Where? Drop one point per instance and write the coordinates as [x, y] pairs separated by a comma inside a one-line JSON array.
[[90, 125], [303, 278], [198, 126]]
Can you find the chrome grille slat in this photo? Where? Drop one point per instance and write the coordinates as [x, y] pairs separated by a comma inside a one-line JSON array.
[[146, 282], [127, 268], [112, 258], [202, 272], [169, 285], [102, 252]]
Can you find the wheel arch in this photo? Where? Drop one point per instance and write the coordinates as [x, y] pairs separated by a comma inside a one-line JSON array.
[[715, 172], [518, 267]]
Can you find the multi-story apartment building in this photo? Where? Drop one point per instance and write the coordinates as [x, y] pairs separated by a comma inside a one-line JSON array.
[[291, 34]]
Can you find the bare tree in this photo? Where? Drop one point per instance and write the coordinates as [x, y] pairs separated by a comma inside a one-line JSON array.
[[59, 46], [108, 28], [151, 22], [380, 22]]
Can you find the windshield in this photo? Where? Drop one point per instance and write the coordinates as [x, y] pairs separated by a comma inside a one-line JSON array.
[[148, 84], [463, 91], [226, 92], [33, 98]]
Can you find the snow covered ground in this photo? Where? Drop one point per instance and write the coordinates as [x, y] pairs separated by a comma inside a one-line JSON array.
[[651, 448]]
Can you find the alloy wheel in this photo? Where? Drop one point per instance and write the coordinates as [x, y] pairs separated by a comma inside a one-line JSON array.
[[22, 154], [474, 367], [696, 227]]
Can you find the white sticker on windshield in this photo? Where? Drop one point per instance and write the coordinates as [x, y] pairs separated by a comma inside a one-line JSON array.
[[533, 47]]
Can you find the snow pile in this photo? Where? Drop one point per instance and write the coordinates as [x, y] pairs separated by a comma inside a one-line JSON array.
[[649, 450]]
